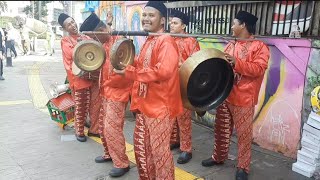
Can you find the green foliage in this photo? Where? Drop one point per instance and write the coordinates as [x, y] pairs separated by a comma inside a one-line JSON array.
[[3, 7], [314, 81], [4, 21], [28, 10]]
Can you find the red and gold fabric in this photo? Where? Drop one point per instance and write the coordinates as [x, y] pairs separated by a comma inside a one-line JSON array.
[[151, 147], [228, 116], [81, 98], [102, 132], [114, 121], [95, 106]]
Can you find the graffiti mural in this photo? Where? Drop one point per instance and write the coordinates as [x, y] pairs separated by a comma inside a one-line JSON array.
[[277, 120], [134, 13], [118, 17]]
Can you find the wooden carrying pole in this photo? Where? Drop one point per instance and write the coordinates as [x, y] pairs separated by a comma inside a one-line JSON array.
[[144, 33]]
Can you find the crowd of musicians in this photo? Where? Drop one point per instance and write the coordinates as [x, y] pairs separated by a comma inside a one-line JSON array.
[[151, 85]]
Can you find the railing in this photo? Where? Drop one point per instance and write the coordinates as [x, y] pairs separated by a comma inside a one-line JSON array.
[[275, 17]]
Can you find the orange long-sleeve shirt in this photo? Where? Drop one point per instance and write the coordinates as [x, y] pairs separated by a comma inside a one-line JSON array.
[[161, 77], [251, 63], [67, 45], [114, 86], [187, 46]]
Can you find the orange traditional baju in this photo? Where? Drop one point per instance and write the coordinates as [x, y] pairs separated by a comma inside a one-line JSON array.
[[115, 90], [80, 87], [156, 99], [182, 128], [251, 62]]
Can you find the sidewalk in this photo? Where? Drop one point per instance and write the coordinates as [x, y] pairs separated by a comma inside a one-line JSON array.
[[31, 146]]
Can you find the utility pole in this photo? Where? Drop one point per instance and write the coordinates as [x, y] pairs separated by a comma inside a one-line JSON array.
[[39, 10], [32, 9]]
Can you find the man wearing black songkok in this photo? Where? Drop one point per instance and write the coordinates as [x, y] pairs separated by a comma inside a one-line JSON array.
[[182, 129], [80, 87], [155, 96], [249, 59], [114, 93]]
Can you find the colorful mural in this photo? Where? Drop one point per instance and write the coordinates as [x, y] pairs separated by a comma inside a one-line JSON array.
[[134, 13]]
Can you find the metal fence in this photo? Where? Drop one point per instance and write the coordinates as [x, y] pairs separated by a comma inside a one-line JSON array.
[[276, 18]]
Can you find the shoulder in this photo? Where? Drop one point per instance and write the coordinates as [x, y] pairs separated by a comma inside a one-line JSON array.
[[64, 39], [259, 44], [166, 38]]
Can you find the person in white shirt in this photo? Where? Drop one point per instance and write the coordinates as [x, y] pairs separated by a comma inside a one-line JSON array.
[[11, 36]]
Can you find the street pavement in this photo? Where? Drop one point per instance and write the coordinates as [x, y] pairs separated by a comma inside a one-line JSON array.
[[33, 147]]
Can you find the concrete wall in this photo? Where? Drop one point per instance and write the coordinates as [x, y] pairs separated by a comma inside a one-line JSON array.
[[285, 92]]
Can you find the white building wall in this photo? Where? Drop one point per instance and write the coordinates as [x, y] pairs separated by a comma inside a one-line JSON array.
[[15, 8]]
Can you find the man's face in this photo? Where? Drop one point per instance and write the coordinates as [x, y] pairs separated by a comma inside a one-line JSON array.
[[237, 28], [70, 26], [176, 25], [152, 20]]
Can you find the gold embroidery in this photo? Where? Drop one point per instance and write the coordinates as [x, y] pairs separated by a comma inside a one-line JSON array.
[[143, 87]]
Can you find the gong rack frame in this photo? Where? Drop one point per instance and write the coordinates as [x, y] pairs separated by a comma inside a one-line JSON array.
[[144, 33]]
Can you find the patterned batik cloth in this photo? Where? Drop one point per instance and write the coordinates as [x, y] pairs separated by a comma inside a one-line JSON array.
[[175, 138], [114, 122], [102, 132], [94, 108], [152, 147], [81, 98], [182, 130], [227, 116]]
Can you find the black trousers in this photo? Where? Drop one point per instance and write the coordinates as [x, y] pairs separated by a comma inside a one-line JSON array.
[[1, 65], [10, 45]]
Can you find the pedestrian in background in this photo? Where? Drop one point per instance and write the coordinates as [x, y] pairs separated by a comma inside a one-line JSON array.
[[1, 53], [10, 41]]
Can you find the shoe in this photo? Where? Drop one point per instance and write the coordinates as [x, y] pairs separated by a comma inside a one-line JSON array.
[[81, 138], [94, 135], [2, 78], [184, 157], [210, 162], [117, 172], [241, 175], [174, 146], [101, 159]]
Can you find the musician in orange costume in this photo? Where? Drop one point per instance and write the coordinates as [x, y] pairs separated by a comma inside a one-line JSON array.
[[182, 129], [115, 91], [155, 96], [250, 61], [80, 87]]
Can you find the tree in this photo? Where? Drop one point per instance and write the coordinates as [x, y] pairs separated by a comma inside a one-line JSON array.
[[3, 6], [34, 7]]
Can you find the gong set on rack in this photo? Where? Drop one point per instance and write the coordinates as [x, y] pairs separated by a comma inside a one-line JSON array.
[[206, 78]]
